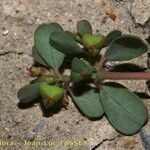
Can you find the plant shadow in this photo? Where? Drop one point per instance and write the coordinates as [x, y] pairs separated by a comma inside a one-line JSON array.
[[128, 67], [27, 105], [142, 95], [47, 112]]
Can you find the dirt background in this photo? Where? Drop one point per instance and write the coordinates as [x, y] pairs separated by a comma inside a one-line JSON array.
[[18, 21]]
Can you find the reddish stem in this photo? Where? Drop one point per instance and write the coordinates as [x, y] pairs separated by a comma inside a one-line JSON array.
[[124, 75], [102, 62]]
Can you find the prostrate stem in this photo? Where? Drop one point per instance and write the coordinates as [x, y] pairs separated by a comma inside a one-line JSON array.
[[123, 75]]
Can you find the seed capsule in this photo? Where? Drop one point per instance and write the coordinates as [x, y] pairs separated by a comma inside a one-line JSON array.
[[51, 94], [94, 41]]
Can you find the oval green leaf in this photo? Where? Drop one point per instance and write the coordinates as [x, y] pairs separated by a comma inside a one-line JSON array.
[[111, 36], [38, 58], [65, 43], [84, 27], [80, 70], [49, 54], [55, 27], [125, 47], [124, 110], [88, 103], [70, 34], [28, 93]]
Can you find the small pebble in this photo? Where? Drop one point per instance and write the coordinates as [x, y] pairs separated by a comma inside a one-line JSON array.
[[5, 32]]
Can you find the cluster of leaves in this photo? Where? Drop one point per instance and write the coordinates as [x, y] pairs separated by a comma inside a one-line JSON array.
[[94, 97]]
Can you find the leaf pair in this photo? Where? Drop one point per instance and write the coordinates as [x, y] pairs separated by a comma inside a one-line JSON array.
[[44, 53], [122, 47], [51, 42], [124, 110]]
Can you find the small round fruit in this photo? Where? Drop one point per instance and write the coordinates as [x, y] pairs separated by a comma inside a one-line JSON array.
[[51, 94], [95, 41]]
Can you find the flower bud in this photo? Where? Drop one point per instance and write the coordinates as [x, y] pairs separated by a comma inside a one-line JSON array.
[[51, 94], [45, 71], [34, 71], [37, 71]]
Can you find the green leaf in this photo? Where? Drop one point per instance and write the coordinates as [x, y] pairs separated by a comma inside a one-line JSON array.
[[70, 34], [83, 27], [80, 70], [111, 36], [125, 110], [65, 43], [37, 57], [74, 37], [49, 54], [28, 93], [89, 103], [125, 47], [55, 27]]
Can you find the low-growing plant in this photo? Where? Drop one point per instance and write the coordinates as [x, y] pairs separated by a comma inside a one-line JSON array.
[[56, 50]]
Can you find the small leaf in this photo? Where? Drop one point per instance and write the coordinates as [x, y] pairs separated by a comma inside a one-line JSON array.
[[70, 34], [74, 37], [125, 110], [125, 47], [55, 27], [65, 43], [89, 103], [49, 54], [28, 93], [38, 58], [83, 27], [111, 36], [80, 70]]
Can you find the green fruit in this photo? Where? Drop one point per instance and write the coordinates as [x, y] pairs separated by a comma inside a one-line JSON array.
[[95, 41], [51, 94]]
